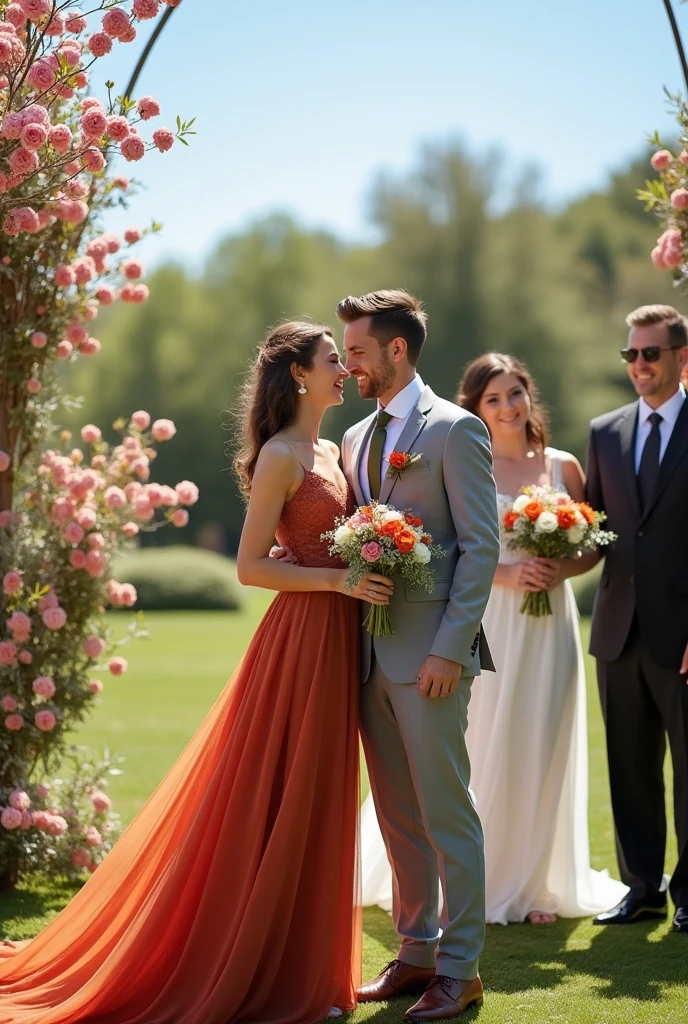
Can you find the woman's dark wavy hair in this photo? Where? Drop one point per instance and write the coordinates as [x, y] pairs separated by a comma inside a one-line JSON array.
[[484, 369], [268, 399]]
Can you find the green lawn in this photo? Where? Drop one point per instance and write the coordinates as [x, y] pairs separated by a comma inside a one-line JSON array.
[[571, 972]]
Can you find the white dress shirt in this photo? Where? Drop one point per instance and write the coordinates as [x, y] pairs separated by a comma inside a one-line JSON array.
[[669, 413], [400, 408]]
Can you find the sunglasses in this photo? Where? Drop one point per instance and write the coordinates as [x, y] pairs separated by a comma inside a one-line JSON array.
[[651, 353]]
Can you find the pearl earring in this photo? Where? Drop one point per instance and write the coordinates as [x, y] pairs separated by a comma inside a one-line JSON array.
[[302, 390]]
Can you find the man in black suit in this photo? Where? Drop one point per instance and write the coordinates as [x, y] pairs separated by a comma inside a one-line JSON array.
[[638, 473]]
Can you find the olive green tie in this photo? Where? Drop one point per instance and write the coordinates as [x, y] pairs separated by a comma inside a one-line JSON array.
[[377, 444]]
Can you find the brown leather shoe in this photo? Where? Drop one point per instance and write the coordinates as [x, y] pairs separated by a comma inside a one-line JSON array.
[[396, 979], [445, 998]]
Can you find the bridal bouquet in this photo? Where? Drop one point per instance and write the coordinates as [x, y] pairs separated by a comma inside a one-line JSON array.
[[548, 523], [379, 538]]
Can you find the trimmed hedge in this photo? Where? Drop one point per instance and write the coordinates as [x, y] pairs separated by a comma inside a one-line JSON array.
[[180, 578], [585, 587]]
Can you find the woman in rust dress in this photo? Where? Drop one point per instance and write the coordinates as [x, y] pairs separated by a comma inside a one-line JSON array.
[[232, 896]]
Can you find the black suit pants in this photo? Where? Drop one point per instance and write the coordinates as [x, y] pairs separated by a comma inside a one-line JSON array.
[[644, 704]]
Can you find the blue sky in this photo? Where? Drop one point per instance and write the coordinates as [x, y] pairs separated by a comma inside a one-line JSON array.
[[301, 104]]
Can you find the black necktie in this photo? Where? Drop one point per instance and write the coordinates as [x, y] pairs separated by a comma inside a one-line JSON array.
[[377, 444], [648, 471]]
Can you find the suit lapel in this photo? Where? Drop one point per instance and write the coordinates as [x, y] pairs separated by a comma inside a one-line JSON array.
[[409, 435], [627, 432], [676, 449], [356, 449]]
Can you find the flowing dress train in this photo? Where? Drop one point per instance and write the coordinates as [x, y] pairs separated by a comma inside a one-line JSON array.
[[232, 897], [528, 746]]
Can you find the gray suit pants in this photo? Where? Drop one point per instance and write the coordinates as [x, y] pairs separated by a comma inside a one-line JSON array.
[[419, 774]]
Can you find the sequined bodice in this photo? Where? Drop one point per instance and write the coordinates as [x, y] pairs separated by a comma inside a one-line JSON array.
[[312, 511]]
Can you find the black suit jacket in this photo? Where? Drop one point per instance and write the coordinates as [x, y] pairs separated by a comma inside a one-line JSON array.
[[646, 569]]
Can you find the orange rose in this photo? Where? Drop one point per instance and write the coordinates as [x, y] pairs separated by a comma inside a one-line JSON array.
[[587, 512], [391, 528], [397, 460], [510, 519], [567, 516], [366, 510], [533, 509], [405, 541], [426, 539], [413, 520]]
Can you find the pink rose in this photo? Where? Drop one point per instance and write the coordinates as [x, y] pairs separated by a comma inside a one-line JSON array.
[[38, 339], [60, 137], [163, 139], [64, 276], [25, 657], [148, 107], [4, 461], [90, 347], [132, 269], [86, 517], [43, 686], [54, 618], [64, 349], [77, 558], [141, 419], [145, 9], [115, 497], [34, 10], [661, 159], [187, 491], [8, 703], [115, 23], [130, 529], [93, 836], [95, 686], [8, 652], [99, 44], [132, 235], [106, 294], [20, 799], [128, 595], [45, 720], [34, 136], [79, 857], [49, 600], [118, 127], [20, 622], [96, 563], [57, 826], [93, 160], [96, 540], [163, 430], [371, 551], [118, 666], [101, 801], [75, 23], [679, 198], [10, 818], [42, 790], [27, 821], [132, 148], [73, 533], [179, 517], [41, 76], [23, 161], [41, 820], [93, 646], [91, 434], [14, 723], [33, 386], [11, 582]]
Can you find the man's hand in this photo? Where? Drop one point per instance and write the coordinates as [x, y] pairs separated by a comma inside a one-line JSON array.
[[438, 677], [283, 555], [684, 664]]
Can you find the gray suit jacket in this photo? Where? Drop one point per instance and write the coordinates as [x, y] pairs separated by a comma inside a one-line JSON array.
[[452, 489]]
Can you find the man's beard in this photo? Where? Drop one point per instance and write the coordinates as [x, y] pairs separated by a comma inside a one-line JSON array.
[[380, 380]]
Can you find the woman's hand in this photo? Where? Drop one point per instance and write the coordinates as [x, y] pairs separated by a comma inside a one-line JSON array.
[[559, 569], [530, 574], [373, 588]]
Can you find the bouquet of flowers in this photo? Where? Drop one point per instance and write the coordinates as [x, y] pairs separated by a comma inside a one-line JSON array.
[[548, 523], [379, 538]]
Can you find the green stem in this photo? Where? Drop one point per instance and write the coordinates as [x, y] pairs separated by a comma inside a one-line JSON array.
[[677, 40]]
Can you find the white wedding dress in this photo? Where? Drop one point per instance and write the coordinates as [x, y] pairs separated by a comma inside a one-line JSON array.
[[527, 740]]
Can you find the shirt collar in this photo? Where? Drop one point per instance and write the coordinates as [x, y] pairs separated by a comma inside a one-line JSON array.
[[668, 411], [406, 400]]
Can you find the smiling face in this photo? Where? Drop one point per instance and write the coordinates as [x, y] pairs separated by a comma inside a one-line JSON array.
[[324, 382], [655, 382], [505, 406], [368, 361]]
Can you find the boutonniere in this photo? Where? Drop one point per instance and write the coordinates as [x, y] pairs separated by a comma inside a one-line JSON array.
[[399, 461]]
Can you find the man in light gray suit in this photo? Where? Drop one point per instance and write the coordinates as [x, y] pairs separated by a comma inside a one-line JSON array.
[[417, 682]]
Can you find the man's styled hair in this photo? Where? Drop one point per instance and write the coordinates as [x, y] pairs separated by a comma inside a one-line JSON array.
[[393, 314], [643, 316]]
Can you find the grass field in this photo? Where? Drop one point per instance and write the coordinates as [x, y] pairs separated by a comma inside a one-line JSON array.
[[570, 972]]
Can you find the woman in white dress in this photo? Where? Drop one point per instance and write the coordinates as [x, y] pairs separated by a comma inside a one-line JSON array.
[[527, 723]]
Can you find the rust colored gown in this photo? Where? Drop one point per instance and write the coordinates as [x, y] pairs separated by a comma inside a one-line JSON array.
[[232, 896]]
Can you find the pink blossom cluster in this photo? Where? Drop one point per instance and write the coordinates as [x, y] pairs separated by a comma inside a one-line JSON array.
[[669, 252]]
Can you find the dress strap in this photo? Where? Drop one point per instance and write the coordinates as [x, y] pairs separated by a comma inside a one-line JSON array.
[[555, 470]]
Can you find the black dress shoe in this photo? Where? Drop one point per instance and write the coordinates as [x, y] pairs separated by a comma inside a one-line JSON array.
[[680, 922], [630, 910]]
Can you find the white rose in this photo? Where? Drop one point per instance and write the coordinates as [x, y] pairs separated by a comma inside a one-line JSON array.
[[521, 502], [421, 553], [546, 522], [391, 516], [574, 534], [342, 534]]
